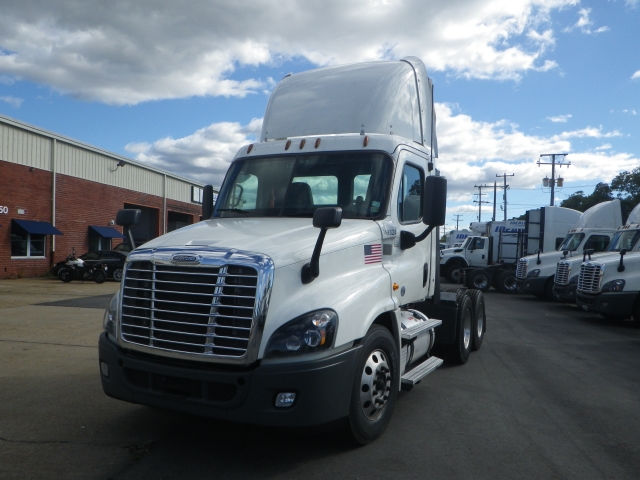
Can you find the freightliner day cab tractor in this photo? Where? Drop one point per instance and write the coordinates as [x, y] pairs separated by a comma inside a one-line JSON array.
[[310, 294], [593, 231], [490, 260], [567, 270]]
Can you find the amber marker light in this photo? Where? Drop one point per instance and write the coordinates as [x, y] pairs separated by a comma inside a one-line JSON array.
[[287, 145], [317, 142], [395, 287], [249, 148], [302, 142], [366, 141]]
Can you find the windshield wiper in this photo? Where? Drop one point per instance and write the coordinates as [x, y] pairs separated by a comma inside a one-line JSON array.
[[235, 210]]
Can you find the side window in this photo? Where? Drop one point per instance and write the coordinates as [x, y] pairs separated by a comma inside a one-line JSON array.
[[410, 195], [598, 243], [25, 244], [476, 244]]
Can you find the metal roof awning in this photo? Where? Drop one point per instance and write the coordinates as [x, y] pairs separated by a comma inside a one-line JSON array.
[[36, 228], [106, 232]]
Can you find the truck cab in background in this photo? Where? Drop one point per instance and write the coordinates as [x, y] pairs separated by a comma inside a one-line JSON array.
[[492, 262], [626, 238], [593, 231]]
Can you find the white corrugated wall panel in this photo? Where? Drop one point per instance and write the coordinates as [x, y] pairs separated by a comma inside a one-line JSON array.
[[178, 190], [24, 148]]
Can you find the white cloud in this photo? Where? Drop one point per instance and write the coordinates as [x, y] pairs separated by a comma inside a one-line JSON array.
[[559, 118], [128, 52], [13, 101], [471, 152], [584, 23], [204, 155], [636, 75]]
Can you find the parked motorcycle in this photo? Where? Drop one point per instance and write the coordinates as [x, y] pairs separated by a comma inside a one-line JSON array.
[[75, 269]]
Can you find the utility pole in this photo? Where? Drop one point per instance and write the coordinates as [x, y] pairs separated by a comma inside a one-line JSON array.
[[553, 164], [495, 190], [457, 215], [504, 194], [480, 201]]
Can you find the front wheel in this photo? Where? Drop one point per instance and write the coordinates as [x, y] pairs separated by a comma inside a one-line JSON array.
[[453, 273], [65, 274], [375, 386]]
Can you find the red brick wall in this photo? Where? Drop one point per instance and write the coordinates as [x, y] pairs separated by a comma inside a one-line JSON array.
[[79, 203]]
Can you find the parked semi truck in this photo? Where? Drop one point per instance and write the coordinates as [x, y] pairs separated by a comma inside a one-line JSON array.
[[310, 293], [625, 238], [535, 274], [490, 260]]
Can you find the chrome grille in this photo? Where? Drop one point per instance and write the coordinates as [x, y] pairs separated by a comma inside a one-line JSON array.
[[189, 309], [589, 278], [521, 270], [562, 273]]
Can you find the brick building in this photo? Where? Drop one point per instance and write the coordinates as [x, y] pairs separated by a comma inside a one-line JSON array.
[[57, 194]]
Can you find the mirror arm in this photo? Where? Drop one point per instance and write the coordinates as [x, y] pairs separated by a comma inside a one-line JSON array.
[[621, 267], [539, 261], [311, 270], [409, 240]]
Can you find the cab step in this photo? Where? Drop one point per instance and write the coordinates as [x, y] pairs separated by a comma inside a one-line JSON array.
[[413, 332], [420, 371]]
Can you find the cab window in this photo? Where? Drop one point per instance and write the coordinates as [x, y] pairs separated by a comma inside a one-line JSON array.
[[410, 195]]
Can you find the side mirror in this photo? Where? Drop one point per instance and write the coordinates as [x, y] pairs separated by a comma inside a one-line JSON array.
[[207, 202], [434, 206], [324, 219], [126, 218]]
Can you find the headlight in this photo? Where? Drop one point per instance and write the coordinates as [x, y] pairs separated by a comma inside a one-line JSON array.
[[533, 273], [312, 332], [110, 320], [613, 286], [574, 279]]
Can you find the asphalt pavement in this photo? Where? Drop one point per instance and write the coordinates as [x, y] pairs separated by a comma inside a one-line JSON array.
[[554, 392]]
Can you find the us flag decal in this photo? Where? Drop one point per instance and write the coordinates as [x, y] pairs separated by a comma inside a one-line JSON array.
[[372, 253]]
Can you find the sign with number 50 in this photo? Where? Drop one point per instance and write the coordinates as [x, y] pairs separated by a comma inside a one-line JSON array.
[[4, 210]]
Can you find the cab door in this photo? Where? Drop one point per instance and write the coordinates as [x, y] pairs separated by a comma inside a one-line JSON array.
[[408, 268], [477, 251]]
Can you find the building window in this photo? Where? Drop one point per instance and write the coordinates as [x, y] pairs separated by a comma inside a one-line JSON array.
[[25, 244], [99, 243]]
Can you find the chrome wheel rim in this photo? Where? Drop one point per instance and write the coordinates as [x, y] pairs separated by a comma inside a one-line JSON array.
[[510, 283], [375, 385], [480, 282], [466, 328], [480, 323]]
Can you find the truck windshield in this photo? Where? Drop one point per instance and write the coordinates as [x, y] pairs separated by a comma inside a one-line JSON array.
[[571, 242], [625, 239], [291, 186]]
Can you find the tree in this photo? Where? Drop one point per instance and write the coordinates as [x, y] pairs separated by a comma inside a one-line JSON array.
[[581, 202], [627, 184]]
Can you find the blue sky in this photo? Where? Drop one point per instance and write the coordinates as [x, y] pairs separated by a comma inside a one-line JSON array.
[[182, 86]]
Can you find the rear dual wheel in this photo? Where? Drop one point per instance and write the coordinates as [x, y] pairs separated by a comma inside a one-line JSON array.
[[479, 325]]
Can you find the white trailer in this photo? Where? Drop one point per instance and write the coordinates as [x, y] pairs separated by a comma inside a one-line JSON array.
[[310, 295], [593, 232]]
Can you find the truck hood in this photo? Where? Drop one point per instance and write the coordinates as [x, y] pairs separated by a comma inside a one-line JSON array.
[[285, 240]]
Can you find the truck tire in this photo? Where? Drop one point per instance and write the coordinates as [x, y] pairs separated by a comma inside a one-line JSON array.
[[507, 282], [453, 273], [479, 324], [375, 386], [480, 280], [461, 348], [548, 290]]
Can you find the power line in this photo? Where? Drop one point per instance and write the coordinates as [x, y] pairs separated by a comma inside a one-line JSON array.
[[552, 182]]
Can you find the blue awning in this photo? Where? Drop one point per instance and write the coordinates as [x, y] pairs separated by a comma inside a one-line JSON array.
[[36, 228], [106, 232]]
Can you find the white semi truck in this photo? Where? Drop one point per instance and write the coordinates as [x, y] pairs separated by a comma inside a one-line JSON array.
[[536, 273], [625, 238], [490, 260], [310, 294], [610, 284]]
